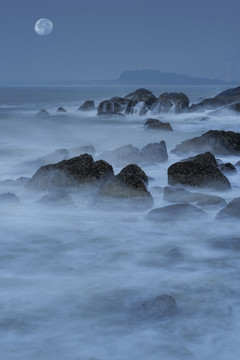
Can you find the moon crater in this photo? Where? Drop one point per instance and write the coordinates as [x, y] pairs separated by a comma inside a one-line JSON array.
[[43, 27]]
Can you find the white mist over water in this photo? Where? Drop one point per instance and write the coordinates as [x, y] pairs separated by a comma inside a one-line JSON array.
[[73, 277]]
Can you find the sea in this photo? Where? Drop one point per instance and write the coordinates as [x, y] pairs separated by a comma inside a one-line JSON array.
[[73, 276]]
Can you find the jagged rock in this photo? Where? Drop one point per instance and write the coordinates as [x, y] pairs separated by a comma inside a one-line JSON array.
[[177, 102], [43, 113], [61, 110], [129, 184], [161, 306], [179, 195], [157, 124], [9, 198], [142, 95], [73, 172], [115, 105], [156, 152], [199, 171], [87, 106], [219, 142], [227, 97], [175, 212], [232, 210], [227, 167]]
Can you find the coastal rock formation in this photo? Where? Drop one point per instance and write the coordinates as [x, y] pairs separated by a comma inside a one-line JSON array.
[[129, 184], [175, 212], [219, 142], [61, 110], [87, 106], [232, 210], [199, 171], [73, 172], [9, 198], [227, 167], [158, 125], [43, 113], [225, 98], [175, 102], [155, 152]]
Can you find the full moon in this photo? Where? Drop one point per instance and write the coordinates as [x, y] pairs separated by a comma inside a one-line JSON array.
[[43, 27]]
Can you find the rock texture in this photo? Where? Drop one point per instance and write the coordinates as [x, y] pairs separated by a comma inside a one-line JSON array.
[[199, 171], [175, 102], [87, 106], [158, 125]]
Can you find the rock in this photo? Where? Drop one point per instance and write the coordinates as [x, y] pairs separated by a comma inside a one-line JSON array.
[[156, 152], [227, 167], [219, 142], [161, 306], [199, 171], [55, 156], [122, 156], [115, 105], [177, 102], [226, 243], [87, 106], [175, 212], [174, 255], [143, 111], [9, 198], [87, 149], [235, 107], [21, 181], [73, 172], [61, 110], [157, 124], [177, 195], [129, 184], [232, 210], [57, 197], [111, 113], [227, 97], [142, 95], [43, 113]]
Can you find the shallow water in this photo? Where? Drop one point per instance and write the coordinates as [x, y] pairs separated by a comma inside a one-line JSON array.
[[73, 277]]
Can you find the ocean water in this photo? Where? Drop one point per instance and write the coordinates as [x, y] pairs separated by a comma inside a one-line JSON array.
[[73, 277]]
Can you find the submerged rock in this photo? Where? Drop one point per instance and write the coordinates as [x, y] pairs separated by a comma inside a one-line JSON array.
[[61, 110], [227, 167], [129, 184], [87, 106], [219, 142], [43, 113], [57, 197], [73, 172], [199, 171], [55, 156], [175, 212], [157, 124], [232, 210], [156, 152], [9, 198], [174, 255], [161, 306]]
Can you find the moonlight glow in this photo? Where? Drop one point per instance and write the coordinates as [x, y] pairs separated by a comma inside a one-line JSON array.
[[43, 27]]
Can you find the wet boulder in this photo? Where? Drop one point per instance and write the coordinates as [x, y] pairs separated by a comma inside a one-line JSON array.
[[115, 105], [227, 167], [198, 171], [175, 102], [175, 212], [219, 142], [232, 210], [156, 152], [43, 113], [162, 306], [158, 125], [142, 95], [61, 110], [130, 184], [73, 172], [87, 106]]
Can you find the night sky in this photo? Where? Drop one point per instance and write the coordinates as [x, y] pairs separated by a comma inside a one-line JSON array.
[[98, 39]]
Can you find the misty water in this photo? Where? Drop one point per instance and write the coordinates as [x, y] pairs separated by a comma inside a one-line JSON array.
[[73, 276]]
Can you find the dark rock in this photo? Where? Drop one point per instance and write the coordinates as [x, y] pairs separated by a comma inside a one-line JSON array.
[[87, 106], [113, 106], [178, 195], [157, 124], [227, 97], [199, 171], [143, 111], [61, 110], [235, 107], [227, 167], [73, 172], [156, 152], [43, 113], [175, 212], [9, 198], [159, 307], [129, 184], [238, 163], [219, 142], [142, 95], [232, 210], [178, 102]]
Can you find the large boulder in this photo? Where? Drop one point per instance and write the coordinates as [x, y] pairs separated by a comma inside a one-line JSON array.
[[232, 210], [175, 102], [87, 106], [175, 212], [156, 152], [227, 97], [142, 95], [114, 105], [199, 171], [130, 184], [158, 125], [219, 142], [73, 172]]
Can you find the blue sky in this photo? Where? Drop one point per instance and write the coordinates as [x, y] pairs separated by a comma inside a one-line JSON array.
[[98, 39]]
